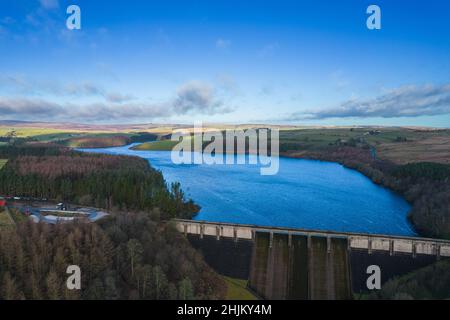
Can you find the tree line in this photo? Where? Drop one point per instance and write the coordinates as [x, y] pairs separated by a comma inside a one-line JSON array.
[[428, 283]]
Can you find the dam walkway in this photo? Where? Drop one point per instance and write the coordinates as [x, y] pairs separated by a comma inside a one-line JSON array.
[[369, 242]]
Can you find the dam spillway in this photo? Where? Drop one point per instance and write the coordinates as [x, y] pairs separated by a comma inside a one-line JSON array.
[[299, 268], [283, 263]]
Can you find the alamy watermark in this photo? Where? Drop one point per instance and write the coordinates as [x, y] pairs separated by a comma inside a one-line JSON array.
[[74, 280], [374, 280], [73, 22], [213, 146], [373, 22]]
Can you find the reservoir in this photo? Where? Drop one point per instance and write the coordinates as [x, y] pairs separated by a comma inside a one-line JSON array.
[[306, 194]]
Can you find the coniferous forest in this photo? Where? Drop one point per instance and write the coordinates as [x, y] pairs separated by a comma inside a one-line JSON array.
[[103, 181]]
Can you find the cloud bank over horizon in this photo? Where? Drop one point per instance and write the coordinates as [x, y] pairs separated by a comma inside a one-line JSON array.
[[196, 98], [405, 101], [191, 98]]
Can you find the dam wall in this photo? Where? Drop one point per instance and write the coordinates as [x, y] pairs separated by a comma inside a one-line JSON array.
[[284, 263], [295, 267], [229, 257]]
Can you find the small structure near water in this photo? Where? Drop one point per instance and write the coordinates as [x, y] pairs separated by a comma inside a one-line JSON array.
[[61, 214]]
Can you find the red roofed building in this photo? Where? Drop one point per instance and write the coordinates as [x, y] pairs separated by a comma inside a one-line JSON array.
[[2, 202]]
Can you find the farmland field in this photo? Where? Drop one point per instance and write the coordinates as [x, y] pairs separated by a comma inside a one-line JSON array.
[[432, 149], [399, 145], [31, 132], [165, 145]]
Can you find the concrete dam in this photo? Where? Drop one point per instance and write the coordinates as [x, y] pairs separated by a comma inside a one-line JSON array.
[[284, 263]]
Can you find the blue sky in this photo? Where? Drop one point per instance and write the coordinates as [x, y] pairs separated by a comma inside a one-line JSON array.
[[299, 62]]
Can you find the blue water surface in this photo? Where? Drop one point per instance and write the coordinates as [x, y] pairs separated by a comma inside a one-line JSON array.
[[304, 194]]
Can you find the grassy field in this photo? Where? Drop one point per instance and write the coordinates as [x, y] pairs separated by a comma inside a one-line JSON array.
[[73, 136], [165, 145], [400, 145], [237, 289], [430, 149], [316, 138], [162, 145], [50, 134], [3, 162], [32, 132]]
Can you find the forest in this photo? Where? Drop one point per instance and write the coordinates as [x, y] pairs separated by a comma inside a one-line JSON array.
[[103, 181], [429, 283], [125, 256], [135, 253]]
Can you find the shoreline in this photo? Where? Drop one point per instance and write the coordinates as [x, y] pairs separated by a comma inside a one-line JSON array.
[[322, 158]]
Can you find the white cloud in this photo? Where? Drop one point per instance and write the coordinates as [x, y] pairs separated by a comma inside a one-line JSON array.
[[195, 96], [191, 98], [25, 86], [407, 101]]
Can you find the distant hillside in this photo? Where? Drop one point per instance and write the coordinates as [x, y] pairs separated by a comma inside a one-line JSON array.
[[69, 126]]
